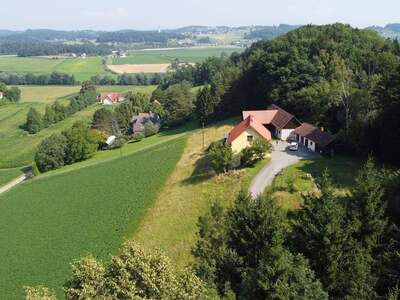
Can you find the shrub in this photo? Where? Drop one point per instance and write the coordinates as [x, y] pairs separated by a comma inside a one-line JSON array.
[[220, 156], [33, 121], [137, 136], [150, 129], [256, 152]]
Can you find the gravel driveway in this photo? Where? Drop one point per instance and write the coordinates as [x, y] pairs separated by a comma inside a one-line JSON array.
[[281, 158]]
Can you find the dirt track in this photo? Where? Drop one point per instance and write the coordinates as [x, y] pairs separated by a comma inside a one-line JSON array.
[[145, 68]]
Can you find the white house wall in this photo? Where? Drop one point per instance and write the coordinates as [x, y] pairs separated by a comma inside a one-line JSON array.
[[285, 134]]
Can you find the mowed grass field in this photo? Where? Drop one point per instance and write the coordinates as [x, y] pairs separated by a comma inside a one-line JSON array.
[[191, 55], [17, 147], [49, 222], [82, 69]]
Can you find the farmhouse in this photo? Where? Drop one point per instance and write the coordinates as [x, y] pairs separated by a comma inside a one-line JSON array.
[[283, 125], [276, 120], [314, 138], [139, 121], [245, 132], [111, 98]]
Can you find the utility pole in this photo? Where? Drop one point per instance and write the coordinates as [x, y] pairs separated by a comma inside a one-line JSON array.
[[202, 123]]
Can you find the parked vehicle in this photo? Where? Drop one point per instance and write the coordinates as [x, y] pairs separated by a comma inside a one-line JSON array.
[[294, 146]]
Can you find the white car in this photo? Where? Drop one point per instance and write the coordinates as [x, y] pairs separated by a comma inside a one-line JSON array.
[[294, 146]]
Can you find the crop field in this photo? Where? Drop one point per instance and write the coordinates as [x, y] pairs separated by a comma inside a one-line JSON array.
[[8, 174], [191, 55], [51, 221], [17, 147]]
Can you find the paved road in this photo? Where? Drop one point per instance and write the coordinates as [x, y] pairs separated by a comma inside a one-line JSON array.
[[11, 184], [281, 158]]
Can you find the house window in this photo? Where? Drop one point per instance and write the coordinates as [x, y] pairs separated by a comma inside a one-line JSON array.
[[249, 138]]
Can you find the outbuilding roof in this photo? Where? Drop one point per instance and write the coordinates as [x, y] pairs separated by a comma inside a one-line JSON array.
[[314, 134], [249, 122]]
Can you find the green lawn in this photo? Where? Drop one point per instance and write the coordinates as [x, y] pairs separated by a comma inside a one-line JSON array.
[[167, 56], [47, 223], [17, 147], [296, 179], [7, 175]]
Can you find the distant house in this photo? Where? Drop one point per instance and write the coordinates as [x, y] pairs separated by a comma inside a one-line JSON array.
[[83, 55], [245, 132], [277, 120], [1, 95], [314, 138], [139, 121], [111, 98], [111, 140]]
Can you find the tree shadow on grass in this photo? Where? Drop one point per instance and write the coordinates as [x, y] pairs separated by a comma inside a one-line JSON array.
[[342, 169], [202, 170]]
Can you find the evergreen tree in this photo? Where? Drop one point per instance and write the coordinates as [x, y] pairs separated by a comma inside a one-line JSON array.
[[205, 104]]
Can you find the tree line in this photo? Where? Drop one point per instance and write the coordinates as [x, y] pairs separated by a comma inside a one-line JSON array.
[[59, 78], [38, 48]]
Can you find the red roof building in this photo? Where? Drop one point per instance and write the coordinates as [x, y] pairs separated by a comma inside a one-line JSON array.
[[111, 98]]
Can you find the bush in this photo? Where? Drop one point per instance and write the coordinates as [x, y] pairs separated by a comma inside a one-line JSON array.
[[150, 129], [34, 121], [51, 153], [254, 153], [137, 136], [220, 156]]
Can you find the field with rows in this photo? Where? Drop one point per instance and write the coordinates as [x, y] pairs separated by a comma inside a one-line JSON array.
[[53, 220], [17, 147]]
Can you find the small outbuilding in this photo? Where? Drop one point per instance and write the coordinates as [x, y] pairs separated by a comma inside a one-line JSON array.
[[314, 138], [245, 132], [139, 121]]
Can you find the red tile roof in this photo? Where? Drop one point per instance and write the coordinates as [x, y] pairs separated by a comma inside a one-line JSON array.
[[263, 116], [314, 134], [114, 97], [249, 122]]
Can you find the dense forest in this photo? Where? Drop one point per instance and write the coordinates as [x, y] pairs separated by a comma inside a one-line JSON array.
[[337, 77]]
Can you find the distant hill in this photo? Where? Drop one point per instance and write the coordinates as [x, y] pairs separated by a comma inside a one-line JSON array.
[[389, 31], [270, 32]]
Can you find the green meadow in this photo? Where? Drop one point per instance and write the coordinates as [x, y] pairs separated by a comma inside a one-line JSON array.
[[6, 175], [191, 55], [82, 69], [51, 221]]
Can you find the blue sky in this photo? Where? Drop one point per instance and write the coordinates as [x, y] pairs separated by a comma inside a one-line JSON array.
[[134, 14]]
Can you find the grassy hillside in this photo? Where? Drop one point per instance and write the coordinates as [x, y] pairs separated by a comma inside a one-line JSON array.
[[49, 222], [9, 174], [167, 56], [17, 147], [171, 224]]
